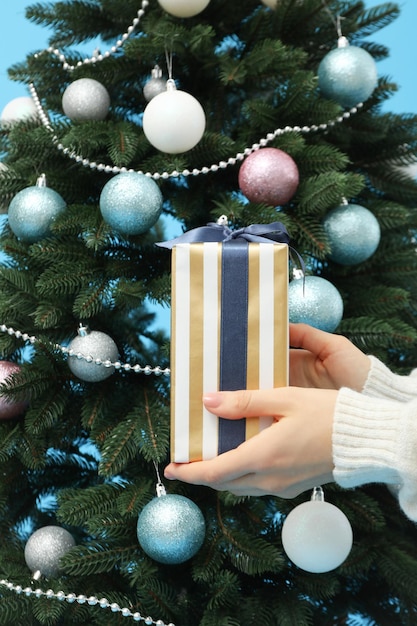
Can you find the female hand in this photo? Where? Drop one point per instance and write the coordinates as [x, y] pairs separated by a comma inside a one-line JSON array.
[[292, 455], [325, 361]]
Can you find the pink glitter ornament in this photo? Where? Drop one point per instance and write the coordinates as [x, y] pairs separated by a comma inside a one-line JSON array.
[[269, 176], [9, 408]]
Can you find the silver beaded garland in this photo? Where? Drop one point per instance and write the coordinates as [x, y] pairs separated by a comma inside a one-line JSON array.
[[62, 596]]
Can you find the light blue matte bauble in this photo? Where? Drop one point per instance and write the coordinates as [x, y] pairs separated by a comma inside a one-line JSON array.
[[347, 75], [131, 203], [171, 529], [353, 233], [318, 304], [32, 212]]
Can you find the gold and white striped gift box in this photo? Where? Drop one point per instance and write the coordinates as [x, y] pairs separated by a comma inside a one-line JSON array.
[[202, 335]]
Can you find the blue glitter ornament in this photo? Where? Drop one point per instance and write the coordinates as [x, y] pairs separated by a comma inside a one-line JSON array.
[[353, 233], [33, 210], [99, 348], [171, 529], [316, 302], [347, 74], [131, 203]]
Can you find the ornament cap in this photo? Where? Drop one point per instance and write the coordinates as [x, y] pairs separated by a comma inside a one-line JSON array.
[[83, 330], [156, 72], [317, 495], [41, 181], [171, 86], [160, 490], [342, 42], [297, 273]]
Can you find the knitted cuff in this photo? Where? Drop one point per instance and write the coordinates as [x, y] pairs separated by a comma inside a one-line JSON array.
[[365, 439], [382, 383]]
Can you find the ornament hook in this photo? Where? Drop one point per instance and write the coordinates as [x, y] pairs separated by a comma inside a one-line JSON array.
[[317, 495], [160, 489], [41, 181], [336, 22]]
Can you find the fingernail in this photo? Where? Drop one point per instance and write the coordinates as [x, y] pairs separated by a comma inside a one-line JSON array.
[[212, 400]]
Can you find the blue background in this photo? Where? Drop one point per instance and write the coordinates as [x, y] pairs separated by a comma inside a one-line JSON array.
[[19, 37]]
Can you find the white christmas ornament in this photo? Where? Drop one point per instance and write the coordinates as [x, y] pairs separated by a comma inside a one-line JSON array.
[[86, 99], [174, 121], [184, 8], [18, 110], [316, 535]]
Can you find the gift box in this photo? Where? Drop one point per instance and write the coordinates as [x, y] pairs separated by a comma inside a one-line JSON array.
[[229, 330]]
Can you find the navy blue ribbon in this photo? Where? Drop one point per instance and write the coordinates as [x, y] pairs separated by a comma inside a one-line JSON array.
[[233, 336], [255, 233]]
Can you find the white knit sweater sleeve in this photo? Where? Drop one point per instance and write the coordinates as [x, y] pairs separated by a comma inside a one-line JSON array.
[[382, 383], [375, 441]]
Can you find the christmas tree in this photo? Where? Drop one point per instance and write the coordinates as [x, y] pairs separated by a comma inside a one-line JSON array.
[[84, 439]]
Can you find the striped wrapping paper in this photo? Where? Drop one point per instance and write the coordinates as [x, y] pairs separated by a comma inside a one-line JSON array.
[[229, 330]]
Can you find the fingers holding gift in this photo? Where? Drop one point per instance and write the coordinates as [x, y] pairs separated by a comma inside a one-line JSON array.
[[292, 455]]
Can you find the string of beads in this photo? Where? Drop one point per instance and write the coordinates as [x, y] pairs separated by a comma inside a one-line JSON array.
[[136, 369], [215, 167], [97, 56], [102, 603]]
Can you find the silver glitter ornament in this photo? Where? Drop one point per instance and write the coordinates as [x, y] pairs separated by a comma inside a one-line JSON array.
[[45, 548], [315, 301], [131, 203], [86, 99], [99, 348], [33, 210], [353, 233], [347, 74], [171, 529], [155, 85]]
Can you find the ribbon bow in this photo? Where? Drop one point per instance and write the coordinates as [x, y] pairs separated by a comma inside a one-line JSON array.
[[213, 232]]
